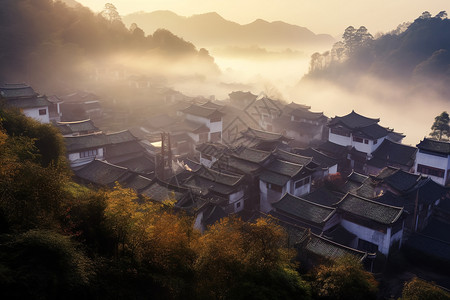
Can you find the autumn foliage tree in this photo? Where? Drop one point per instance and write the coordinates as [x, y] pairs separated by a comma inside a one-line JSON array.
[[417, 289], [344, 279]]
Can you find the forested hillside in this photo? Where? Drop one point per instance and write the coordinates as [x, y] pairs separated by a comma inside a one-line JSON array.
[[47, 43], [415, 56]]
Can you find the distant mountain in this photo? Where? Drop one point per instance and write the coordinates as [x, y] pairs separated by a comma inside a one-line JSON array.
[[211, 29], [46, 43], [416, 58]]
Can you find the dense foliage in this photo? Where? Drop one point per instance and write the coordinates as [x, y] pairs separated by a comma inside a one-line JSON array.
[[62, 240], [44, 42], [417, 289], [416, 55]]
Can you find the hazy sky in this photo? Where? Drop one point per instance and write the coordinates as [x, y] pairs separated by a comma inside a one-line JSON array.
[[321, 16]]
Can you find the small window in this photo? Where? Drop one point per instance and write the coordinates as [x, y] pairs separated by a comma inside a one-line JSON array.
[[375, 142], [366, 141], [89, 153], [238, 204], [357, 139], [42, 112]]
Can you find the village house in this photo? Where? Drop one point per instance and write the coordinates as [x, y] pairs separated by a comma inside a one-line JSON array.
[[54, 109], [300, 124], [204, 124], [210, 153], [114, 147], [261, 140], [81, 105], [224, 189], [392, 154], [360, 132], [433, 159], [328, 164], [30, 103], [378, 226], [280, 177], [242, 99], [77, 128], [305, 213]]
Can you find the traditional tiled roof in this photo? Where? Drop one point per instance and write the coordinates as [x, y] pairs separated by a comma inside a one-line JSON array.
[[391, 153], [357, 177], [212, 105], [19, 90], [434, 146], [294, 105], [340, 235], [284, 168], [201, 111], [369, 209], [366, 190], [220, 177], [252, 155], [323, 196], [39, 101], [161, 191], [102, 173], [212, 149], [429, 191], [274, 178], [264, 135], [137, 182], [120, 137], [96, 140], [294, 158], [77, 127], [244, 166], [354, 181], [373, 131], [329, 249], [239, 95], [140, 164], [78, 143], [123, 151], [307, 115], [400, 180], [80, 96], [332, 149], [303, 209], [321, 159], [353, 120]]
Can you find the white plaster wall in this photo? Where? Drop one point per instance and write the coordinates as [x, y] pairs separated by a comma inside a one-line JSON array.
[[433, 161], [397, 237], [339, 139], [206, 162], [34, 113], [236, 196], [332, 169], [197, 119], [215, 126], [194, 137], [303, 190], [379, 238], [76, 161], [267, 197]]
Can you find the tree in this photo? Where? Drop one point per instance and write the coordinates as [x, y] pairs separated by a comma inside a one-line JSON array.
[[344, 279], [417, 289], [110, 13], [441, 127], [240, 260]]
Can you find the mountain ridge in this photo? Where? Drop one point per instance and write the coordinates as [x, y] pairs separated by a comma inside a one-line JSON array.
[[211, 29]]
